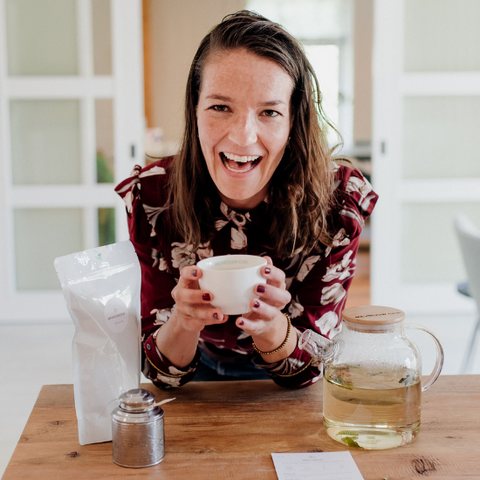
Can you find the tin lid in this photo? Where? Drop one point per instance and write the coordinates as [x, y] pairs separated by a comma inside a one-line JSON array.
[[373, 315], [136, 400]]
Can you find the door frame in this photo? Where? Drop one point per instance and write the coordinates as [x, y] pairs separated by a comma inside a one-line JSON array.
[[390, 85], [125, 87]]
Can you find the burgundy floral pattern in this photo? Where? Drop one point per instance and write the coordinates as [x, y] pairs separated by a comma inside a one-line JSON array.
[[318, 282]]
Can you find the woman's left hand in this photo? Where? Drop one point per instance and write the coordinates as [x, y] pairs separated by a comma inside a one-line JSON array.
[[266, 323]]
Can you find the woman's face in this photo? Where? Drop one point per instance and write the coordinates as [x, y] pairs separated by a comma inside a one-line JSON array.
[[244, 121]]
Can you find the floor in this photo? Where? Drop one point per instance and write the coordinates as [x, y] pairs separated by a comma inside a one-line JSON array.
[[32, 355]]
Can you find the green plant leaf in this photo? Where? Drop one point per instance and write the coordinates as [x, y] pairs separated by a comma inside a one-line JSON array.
[[349, 441]]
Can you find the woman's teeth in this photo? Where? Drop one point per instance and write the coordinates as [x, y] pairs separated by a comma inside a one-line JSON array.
[[239, 163], [240, 158]]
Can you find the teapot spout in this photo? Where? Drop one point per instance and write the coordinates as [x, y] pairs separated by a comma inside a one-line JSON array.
[[320, 348]]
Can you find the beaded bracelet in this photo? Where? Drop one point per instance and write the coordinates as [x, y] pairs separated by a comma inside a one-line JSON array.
[[271, 352]]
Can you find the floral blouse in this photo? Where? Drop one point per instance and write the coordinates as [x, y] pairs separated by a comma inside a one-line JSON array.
[[318, 282]]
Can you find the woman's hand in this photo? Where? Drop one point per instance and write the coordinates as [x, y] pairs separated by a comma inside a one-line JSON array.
[[193, 306], [266, 323], [178, 338]]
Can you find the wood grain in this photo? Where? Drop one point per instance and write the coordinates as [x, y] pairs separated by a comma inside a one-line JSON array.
[[227, 430]]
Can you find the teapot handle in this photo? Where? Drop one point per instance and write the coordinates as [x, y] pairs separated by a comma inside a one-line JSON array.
[[439, 359]]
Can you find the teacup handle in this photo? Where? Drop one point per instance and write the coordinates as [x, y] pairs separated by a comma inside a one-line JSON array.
[[438, 361]]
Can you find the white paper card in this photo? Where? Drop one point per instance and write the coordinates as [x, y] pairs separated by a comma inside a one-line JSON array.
[[316, 466]]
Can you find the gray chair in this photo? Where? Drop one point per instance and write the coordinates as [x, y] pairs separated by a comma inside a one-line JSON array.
[[469, 239]]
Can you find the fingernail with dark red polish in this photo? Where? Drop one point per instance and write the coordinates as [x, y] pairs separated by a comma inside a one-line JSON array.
[[194, 273], [241, 322], [215, 316], [206, 297], [256, 304], [267, 270], [260, 289]]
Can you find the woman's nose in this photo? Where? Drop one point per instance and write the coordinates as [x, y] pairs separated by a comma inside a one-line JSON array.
[[243, 131]]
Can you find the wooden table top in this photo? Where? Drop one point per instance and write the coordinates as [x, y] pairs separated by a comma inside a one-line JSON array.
[[227, 430]]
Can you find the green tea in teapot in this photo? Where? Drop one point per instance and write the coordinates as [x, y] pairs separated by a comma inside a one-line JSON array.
[[363, 407]]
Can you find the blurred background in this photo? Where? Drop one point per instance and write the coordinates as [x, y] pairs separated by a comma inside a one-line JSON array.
[[89, 88]]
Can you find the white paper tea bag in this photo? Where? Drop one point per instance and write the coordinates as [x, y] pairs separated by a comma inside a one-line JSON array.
[[101, 287]]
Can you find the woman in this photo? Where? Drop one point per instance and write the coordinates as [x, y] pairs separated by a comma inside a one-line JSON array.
[[254, 175]]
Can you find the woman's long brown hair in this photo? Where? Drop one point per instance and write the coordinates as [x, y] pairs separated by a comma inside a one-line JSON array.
[[301, 189]]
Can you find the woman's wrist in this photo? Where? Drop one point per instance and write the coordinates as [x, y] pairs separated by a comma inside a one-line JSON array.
[[280, 345], [176, 343]]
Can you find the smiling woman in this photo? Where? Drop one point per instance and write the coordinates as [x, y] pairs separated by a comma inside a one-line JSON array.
[[254, 176]]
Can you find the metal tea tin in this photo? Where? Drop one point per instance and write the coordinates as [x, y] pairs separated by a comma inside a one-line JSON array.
[[137, 429]]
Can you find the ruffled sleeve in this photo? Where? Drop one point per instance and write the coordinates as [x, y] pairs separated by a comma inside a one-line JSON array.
[[146, 199], [320, 285]]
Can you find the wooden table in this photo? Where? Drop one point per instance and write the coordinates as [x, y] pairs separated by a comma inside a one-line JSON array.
[[227, 430]]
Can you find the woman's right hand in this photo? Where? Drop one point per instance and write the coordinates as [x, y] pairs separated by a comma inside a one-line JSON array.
[[193, 307], [178, 338]]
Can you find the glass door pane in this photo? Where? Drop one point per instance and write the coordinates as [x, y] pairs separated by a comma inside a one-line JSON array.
[[45, 142], [42, 37], [106, 226], [104, 140], [440, 137], [41, 235], [102, 37], [430, 250], [441, 35]]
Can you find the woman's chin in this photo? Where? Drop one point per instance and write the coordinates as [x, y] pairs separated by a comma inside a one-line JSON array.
[[245, 200]]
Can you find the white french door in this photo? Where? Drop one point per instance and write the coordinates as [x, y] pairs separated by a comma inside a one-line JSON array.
[[426, 150], [71, 127]]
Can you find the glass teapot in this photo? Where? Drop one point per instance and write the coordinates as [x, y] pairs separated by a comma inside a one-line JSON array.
[[372, 378]]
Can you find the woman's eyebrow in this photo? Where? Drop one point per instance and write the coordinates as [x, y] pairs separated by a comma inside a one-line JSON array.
[[223, 98], [273, 103], [215, 96]]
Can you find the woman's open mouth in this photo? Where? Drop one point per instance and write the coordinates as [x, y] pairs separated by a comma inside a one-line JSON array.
[[239, 163]]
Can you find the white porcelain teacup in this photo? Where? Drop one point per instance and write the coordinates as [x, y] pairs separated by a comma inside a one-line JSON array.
[[231, 280]]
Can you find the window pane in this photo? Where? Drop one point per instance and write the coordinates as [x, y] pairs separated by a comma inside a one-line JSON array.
[[104, 140], [106, 226], [46, 147], [430, 250], [441, 35], [102, 37], [306, 19], [42, 37], [325, 62], [41, 235], [440, 137]]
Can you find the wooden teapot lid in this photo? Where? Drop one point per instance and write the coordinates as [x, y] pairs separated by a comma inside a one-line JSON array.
[[373, 315]]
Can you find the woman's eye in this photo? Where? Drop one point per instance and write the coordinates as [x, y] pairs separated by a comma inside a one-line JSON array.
[[271, 113], [219, 108]]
